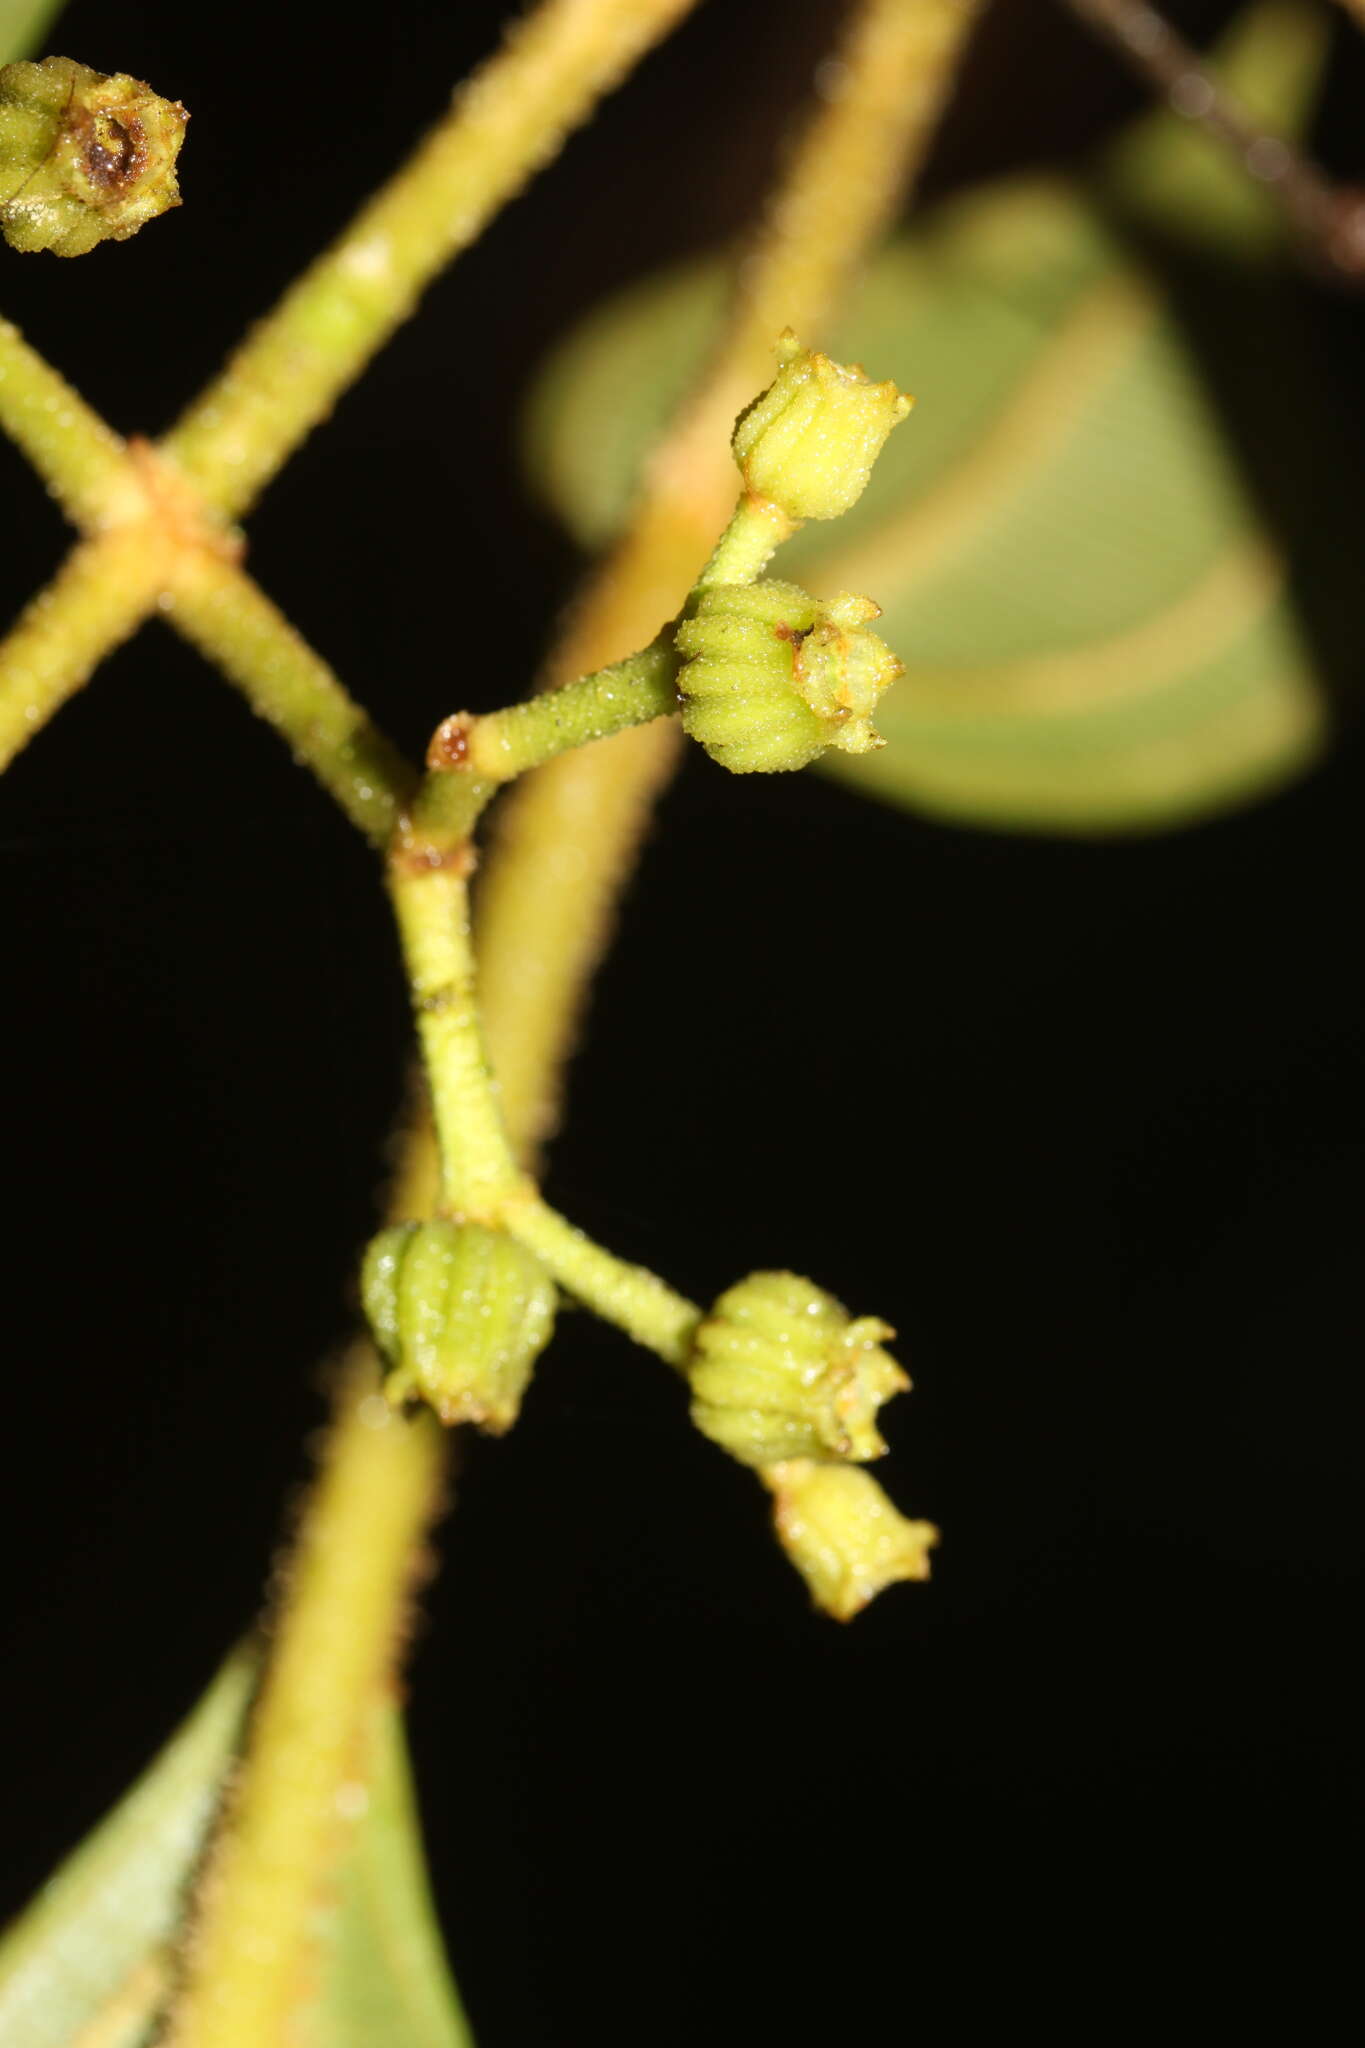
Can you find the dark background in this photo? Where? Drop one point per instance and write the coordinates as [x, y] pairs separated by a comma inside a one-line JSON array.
[[1105, 1179]]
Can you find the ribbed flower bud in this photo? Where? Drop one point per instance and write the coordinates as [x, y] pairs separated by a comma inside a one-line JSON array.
[[84, 158], [462, 1314], [771, 676], [847, 1539], [809, 441], [780, 1370]]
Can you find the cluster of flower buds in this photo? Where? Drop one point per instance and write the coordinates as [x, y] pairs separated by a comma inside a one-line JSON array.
[[771, 677], [786, 1381], [461, 1313], [84, 158]]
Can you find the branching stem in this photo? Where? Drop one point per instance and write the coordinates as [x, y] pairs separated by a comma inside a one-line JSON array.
[[79, 458], [506, 122], [632, 1297], [248, 1961], [504, 744], [230, 620]]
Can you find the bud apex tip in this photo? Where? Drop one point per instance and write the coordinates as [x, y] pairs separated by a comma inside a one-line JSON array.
[[809, 441]]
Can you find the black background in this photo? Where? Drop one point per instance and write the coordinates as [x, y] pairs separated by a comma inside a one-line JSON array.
[[1100, 1161]]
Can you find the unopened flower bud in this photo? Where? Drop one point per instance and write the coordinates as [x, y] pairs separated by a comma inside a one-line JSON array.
[[809, 441], [461, 1313], [847, 1539], [771, 676], [84, 158], [780, 1371]]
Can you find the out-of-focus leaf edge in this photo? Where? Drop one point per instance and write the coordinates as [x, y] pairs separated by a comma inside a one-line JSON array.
[[88, 1961], [88, 1964], [23, 24], [386, 1977]]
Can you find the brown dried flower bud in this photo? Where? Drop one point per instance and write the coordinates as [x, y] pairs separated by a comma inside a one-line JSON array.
[[84, 158]]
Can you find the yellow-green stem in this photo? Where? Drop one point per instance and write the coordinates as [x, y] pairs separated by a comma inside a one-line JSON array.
[[507, 122], [228, 618], [510, 118], [504, 744], [79, 458], [337, 1633], [431, 904], [568, 837], [100, 596], [632, 1297], [755, 533]]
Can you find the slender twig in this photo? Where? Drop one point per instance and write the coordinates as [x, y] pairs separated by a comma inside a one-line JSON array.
[[480, 1178], [511, 117], [431, 904], [224, 614], [505, 124], [632, 1297], [543, 921], [504, 744], [79, 458], [98, 598], [748, 544], [1179, 74]]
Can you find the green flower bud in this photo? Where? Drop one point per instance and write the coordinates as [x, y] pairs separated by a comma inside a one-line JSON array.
[[843, 1534], [781, 1371], [771, 676], [462, 1314], [809, 441], [83, 158]]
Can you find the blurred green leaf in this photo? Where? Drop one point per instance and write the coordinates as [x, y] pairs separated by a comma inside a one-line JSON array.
[[88, 1964], [1173, 171], [1109, 544], [386, 1978], [22, 26]]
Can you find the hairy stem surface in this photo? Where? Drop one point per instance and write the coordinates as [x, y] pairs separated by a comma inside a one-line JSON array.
[[337, 1635], [632, 1297], [431, 903], [505, 744], [79, 458], [98, 598], [228, 618]]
